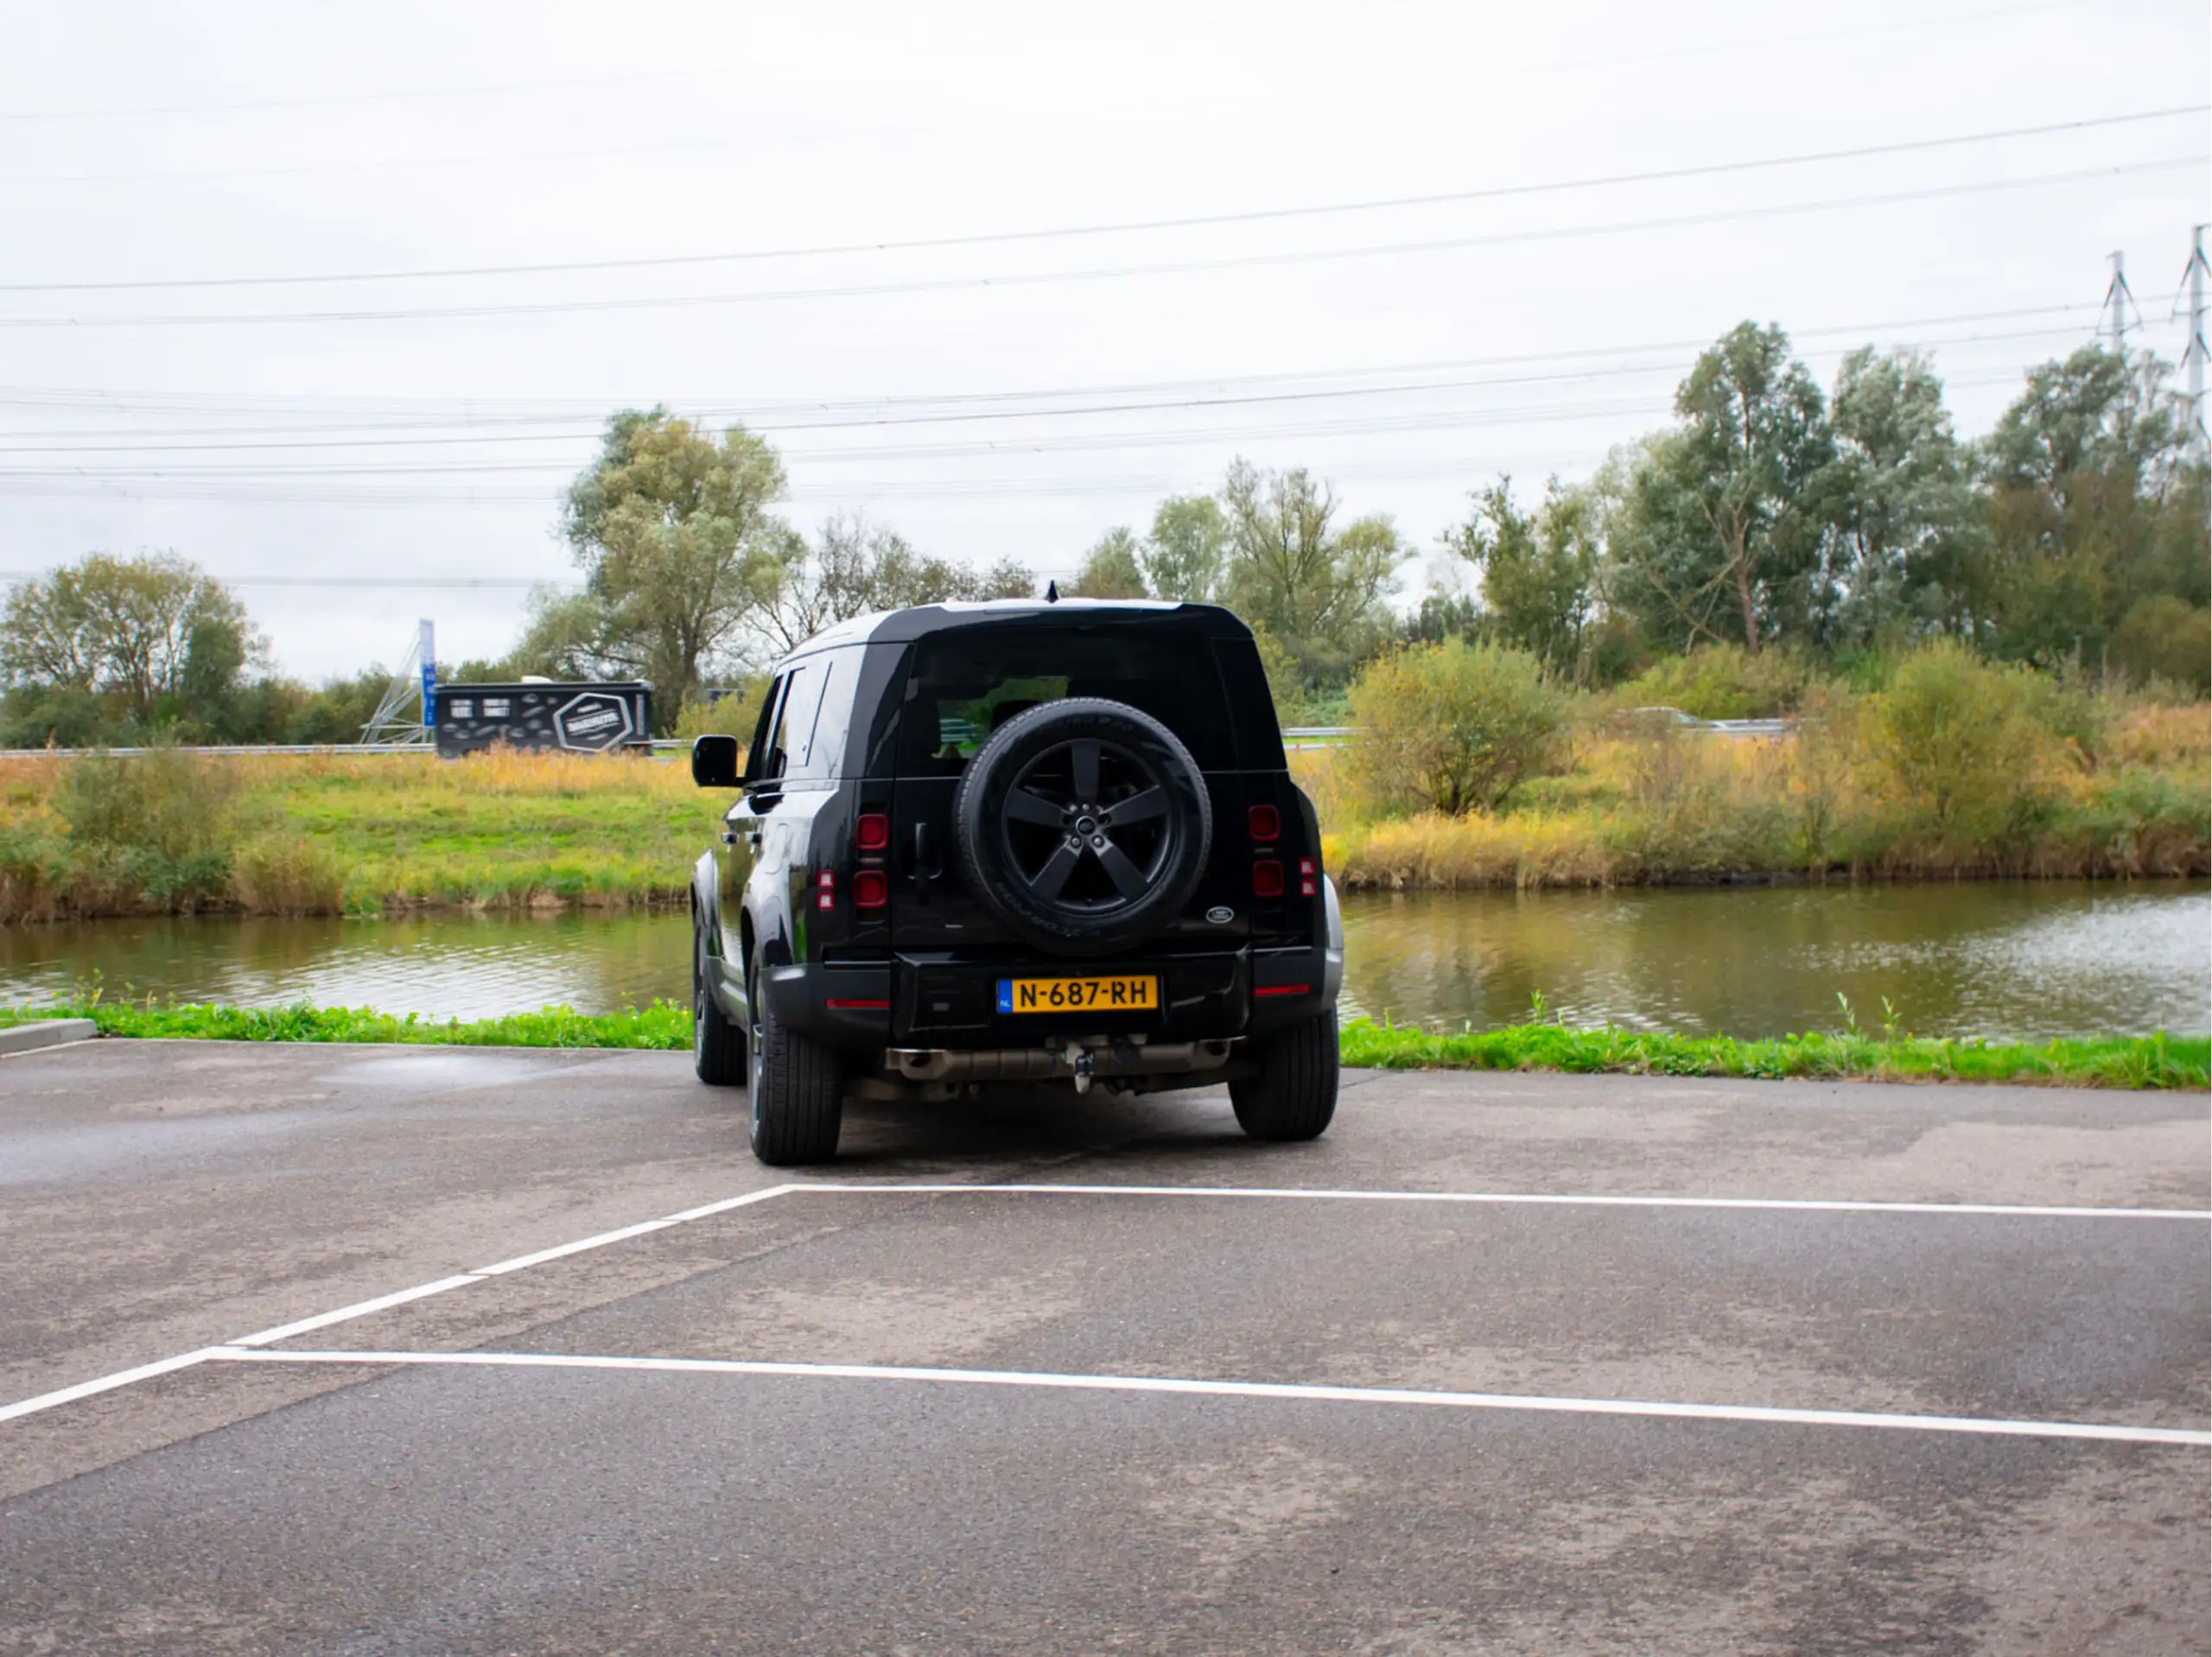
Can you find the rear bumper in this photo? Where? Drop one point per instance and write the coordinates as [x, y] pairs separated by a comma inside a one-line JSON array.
[[942, 1001]]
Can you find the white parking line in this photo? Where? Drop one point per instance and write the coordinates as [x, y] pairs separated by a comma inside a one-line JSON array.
[[266, 1337], [104, 1383], [1785, 1204], [381, 1303], [1277, 1390], [359, 1308]]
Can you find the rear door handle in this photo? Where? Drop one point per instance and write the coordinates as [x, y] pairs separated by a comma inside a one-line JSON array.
[[925, 864]]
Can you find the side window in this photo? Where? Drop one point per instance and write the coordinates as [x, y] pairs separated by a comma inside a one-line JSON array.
[[794, 733], [765, 729], [817, 738]]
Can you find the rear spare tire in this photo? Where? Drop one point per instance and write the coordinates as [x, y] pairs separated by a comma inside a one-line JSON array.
[[1294, 1094], [1084, 825]]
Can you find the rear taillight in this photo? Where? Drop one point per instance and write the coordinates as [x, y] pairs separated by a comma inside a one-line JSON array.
[[1265, 822], [1267, 879], [1306, 877], [871, 832], [825, 890], [871, 889]]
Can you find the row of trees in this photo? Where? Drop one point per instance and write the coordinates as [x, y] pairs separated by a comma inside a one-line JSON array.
[[148, 642], [2073, 535], [689, 571], [1769, 516], [1271, 546]]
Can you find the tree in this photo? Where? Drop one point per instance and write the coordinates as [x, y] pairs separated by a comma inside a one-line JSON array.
[[1720, 542], [1315, 588], [839, 577], [1183, 555], [672, 530], [2094, 509], [154, 631], [1904, 525], [1110, 570], [1538, 571], [1454, 726], [855, 568]]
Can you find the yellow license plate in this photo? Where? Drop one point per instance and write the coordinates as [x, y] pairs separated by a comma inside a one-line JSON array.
[[1132, 994]]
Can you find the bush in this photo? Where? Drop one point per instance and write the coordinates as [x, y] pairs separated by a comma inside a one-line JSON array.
[[1722, 681], [2170, 737], [286, 874], [1454, 726], [2165, 637], [151, 829], [1958, 740], [730, 715]]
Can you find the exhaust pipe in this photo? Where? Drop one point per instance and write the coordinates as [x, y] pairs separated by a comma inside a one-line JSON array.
[[1076, 1061]]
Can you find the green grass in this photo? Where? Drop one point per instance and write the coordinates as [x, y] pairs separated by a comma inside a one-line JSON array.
[[661, 1025], [2159, 1061], [324, 835]]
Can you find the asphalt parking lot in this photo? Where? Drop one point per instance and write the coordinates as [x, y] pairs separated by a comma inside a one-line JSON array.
[[397, 1351]]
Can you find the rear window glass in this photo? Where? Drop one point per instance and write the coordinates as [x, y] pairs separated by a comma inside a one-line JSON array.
[[964, 685]]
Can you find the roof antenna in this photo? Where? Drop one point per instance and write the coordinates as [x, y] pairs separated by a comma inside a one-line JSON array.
[[1051, 592]]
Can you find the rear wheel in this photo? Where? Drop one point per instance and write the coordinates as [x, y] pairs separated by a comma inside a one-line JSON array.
[[717, 1045], [1294, 1092], [797, 1093]]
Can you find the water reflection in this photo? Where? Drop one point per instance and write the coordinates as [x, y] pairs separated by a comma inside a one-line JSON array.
[[466, 966], [2031, 959]]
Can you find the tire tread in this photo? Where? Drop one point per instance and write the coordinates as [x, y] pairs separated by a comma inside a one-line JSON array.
[[1295, 1095], [797, 1119], [718, 1047]]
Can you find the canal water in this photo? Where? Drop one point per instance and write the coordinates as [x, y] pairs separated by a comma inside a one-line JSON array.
[[1997, 959]]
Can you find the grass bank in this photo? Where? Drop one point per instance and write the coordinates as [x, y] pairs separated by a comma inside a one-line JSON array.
[[1662, 805], [2127, 793], [2159, 1061], [357, 834]]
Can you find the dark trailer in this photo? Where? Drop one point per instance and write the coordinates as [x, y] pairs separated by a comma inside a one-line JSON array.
[[578, 718]]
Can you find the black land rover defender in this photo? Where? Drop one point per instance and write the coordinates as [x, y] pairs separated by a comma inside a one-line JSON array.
[[1014, 842]]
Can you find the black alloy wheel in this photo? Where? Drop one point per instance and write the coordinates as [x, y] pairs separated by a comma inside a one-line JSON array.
[[1084, 824]]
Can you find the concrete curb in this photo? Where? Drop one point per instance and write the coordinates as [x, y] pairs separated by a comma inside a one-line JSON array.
[[45, 1033]]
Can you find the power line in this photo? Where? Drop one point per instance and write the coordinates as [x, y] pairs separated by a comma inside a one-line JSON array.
[[174, 476], [138, 442], [1060, 232], [475, 409], [1112, 272]]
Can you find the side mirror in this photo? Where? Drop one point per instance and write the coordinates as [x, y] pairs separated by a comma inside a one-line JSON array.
[[713, 762]]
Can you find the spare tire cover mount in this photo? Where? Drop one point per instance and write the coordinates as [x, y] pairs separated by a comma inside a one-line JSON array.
[[1083, 824]]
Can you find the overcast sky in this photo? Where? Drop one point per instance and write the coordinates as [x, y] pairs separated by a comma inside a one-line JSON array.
[[1005, 393]]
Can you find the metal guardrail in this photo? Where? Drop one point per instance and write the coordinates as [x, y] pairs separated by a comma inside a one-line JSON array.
[[1295, 737], [241, 748], [1679, 721]]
